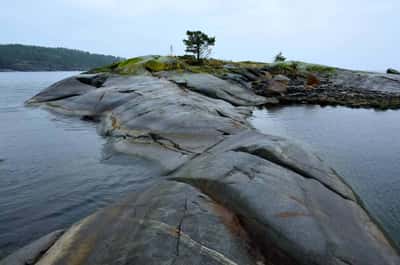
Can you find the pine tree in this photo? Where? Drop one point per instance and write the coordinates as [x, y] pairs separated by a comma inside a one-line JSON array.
[[199, 44]]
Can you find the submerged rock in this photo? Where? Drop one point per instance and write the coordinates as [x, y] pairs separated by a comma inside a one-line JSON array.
[[229, 195]]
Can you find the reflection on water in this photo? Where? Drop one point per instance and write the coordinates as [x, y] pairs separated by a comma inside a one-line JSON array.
[[362, 144], [52, 168]]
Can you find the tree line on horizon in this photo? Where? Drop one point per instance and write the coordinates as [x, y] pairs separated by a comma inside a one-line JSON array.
[[20, 57]]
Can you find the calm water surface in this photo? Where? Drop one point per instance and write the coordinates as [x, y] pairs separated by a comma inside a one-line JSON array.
[[363, 145], [53, 169]]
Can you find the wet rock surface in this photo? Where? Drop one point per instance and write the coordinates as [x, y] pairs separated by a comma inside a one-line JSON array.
[[31, 253], [226, 194]]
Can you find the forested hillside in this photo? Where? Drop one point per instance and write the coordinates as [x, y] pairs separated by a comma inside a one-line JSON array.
[[16, 57]]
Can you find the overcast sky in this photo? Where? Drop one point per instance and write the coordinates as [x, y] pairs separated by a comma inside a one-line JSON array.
[[362, 34]]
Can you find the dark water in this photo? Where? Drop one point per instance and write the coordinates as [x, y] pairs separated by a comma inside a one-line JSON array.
[[53, 169], [362, 145]]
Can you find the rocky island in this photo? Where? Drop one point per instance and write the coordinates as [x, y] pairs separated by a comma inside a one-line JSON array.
[[227, 194]]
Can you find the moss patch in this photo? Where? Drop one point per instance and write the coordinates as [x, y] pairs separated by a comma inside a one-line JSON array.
[[130, 66], [293, 68], [249, 64], [130, 62], [164, 64], [285, 68], [318, 68]]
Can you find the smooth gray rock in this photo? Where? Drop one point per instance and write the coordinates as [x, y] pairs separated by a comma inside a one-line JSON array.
[[167, 223], [31, 253], [299, 214], [153, 118], [282, 79], [215, 87], [92, 103], [70, 87], [286, 154]]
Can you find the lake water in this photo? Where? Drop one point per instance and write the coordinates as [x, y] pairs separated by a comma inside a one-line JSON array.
[[53, 169], [363, 145]]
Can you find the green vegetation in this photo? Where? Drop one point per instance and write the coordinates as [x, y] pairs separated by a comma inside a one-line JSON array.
[[318, 68], [293, 68], [279, 58], [140, 65], [33, 58], [153, 63], [164, 63], [198, 43]]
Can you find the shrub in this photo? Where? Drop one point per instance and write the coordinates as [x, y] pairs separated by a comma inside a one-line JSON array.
[[279, 58]]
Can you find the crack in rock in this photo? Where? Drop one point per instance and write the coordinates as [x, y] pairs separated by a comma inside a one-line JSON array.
[[179, 228], [274, 159], [186, 240]]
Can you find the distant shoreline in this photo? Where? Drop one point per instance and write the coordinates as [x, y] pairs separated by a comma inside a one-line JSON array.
[[27, 58], [37, 71]]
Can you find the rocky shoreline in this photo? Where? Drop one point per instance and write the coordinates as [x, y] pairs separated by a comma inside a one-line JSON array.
[[351, 89], [227, 194], [337, 87]]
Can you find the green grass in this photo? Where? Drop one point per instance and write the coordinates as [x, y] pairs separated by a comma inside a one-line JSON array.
[[130, 62], [293, 68], [317, 68], [140, 65]]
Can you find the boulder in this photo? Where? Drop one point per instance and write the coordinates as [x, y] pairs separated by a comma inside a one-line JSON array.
[[282, 79], [392, 71], [247, 73], [277, 86], [312, 80]]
